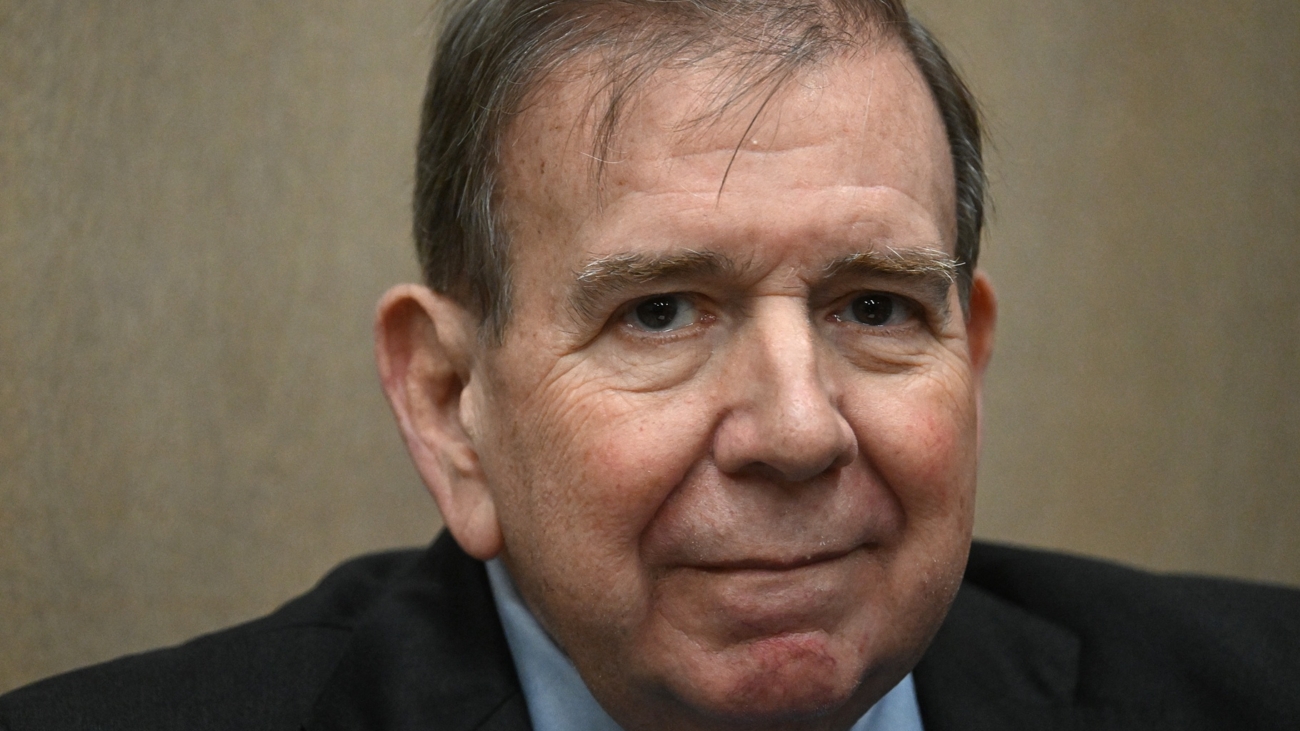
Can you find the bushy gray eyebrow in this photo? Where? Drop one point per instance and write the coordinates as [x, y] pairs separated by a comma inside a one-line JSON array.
[[889, 260]]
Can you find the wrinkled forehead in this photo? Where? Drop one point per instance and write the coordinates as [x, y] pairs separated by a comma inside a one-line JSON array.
[[563, 157]]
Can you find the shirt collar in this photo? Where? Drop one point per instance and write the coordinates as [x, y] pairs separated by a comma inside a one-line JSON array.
[[558, 700]]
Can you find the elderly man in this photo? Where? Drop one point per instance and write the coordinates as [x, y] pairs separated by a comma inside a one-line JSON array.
[[695, 384]]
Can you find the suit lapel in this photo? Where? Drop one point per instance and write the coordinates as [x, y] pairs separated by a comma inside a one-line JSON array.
[[994, 666], [430, 656]]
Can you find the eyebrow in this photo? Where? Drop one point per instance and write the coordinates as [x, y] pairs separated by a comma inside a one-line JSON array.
[[602, 277], [923, 262], [933, 269], [599, 278]]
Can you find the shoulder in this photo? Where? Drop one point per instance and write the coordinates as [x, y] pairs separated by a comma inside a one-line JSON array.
[[1189, 624], [1046, 632], [263, 674], [1075, 587]]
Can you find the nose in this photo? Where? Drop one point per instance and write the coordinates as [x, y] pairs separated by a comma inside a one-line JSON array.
[[781, 418]]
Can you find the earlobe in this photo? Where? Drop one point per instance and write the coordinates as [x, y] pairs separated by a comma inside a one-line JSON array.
[[425, 344]]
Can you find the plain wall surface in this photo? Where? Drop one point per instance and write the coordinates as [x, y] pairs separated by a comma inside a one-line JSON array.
[[201, 202]]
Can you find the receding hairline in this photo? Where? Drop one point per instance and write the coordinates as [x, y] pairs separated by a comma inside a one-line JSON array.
[[573, 87], [610, 93]]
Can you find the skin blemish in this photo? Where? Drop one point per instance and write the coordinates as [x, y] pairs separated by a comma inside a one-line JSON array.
[[780, 663]]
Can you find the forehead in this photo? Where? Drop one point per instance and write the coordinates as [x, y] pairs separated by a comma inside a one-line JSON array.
[[858, 121]]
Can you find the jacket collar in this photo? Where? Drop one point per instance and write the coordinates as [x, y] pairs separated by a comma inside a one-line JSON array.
[[430, 655], [994, 666]]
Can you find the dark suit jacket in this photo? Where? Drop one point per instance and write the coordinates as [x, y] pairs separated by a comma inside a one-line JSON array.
[[411, 640]]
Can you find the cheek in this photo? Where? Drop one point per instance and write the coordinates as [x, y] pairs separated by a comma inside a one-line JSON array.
[[921, 437], [588, 472], [590, 466]]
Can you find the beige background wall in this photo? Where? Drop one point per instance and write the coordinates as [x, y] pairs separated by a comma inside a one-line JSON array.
[[200, 202]]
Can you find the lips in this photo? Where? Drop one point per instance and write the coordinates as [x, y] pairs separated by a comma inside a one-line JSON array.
[[794, 561], [746, 599]]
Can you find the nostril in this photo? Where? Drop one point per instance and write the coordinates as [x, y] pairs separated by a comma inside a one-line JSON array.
[[786, 448], [792, 475]]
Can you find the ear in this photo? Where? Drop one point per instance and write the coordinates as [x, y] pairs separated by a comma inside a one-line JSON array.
[[981, 325], [425, 344]]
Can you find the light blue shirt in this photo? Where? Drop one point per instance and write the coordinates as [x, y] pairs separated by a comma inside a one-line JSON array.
[[558, 700]]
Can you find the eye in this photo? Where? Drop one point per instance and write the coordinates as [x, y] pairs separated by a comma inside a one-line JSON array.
[[877, 309], [662, 313]]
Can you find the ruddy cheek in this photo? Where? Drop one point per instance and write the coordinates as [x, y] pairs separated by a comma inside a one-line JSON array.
[[922, 444]]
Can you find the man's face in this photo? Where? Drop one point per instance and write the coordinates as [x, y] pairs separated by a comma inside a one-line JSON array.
[[730, 435]]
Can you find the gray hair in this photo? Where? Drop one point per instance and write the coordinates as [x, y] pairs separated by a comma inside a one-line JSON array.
[[493, 53]]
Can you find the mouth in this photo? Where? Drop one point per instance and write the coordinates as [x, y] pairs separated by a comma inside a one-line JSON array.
[[743, 600], [775, 564]]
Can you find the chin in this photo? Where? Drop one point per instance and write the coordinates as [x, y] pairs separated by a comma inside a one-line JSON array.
[[776, 680]]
